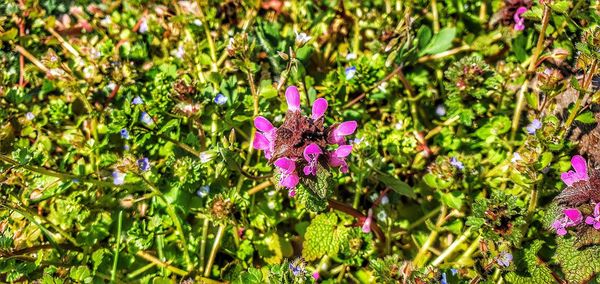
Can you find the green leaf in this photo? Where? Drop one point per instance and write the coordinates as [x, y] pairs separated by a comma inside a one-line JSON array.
[[538, 272], [252, 276], [586, 117], [324, 236], [440, 42], [453, 199], [395, 184], [579, 266], [81, 274]]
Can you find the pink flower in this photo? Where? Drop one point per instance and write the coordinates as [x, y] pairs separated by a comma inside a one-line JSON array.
[[265, 139], [319, 108], [580, 173], [316, 275], [339, 133], [311, 155], [292, 97], [366, 228], [594, 220], [572, 218], [337, 158], [519, 22], [288, 176]]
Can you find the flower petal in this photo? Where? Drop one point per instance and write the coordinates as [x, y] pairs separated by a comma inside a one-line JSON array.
[[569, 178], [573, 214], [596, 225], [343, 151], [311, 149], [287, 165], [580, 166], [289, 181], [292, 97], [263, 124], [346, 128], [589, 220], [366, 228], [319, 107], [260, 142], [561, 231]]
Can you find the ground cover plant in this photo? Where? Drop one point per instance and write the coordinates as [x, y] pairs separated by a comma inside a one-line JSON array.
[[267, 141]]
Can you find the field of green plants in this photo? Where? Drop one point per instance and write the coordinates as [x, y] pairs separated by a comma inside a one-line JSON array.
[[272, 141]]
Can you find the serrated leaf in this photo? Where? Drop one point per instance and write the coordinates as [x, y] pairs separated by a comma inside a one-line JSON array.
[[322, 183], [586, 117], [578, 266], [538, 272], [324, 236]]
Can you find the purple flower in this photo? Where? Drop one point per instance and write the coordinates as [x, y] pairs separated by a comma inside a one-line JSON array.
[[316, 275], [137, 101], [350, 72], [118, 177], [366, 227], [220, 99], [456, 163], [146, 119], [337, 158], [580, 173], [519, 22], [143, 164], [288, 176], [594, 220], [124, 133], [340, 131], [504, 259], [319, 108], [572, 218], [440, 110], [292, 97], [265, 138], [311, 155], [534, 126], [298, 267]]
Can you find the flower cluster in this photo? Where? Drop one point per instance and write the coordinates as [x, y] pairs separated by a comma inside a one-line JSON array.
[[303, 142], [580, 193]]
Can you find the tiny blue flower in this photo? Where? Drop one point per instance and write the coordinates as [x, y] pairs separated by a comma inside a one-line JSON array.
[[440, 110], [454, 271], [137, 100], [124, 133], [220, 99], [534, 126], [126, 147], [516, 157], [118, 177], [75, 180], [504, 259], [203, 191], [350, 72], [385, 200], [297, 267], [146, 119], [30, 116], [456, 163], [444, 280], [143, 164]]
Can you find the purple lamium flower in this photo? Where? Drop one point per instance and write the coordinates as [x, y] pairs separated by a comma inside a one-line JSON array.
[[504, 259], [519, 22], [137, 101], [146, 119], [118, 177], [534, 126], [311, 154], [580, 173], [340, 131], [292, 97], [456, 163], [366, 228], [316, 275], [288, 176], [124, 133], [319, 108], [350, 72], [572, 217], [143, 164], [220, 99], [594, 220], [337, 158], [265, 138]]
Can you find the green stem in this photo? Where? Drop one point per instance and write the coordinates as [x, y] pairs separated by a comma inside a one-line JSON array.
[[465, 235], [424, 218], [532, 64], [418, 260], [470, 250], [203, 244], [215, 249], [113, 273], [586, 84]]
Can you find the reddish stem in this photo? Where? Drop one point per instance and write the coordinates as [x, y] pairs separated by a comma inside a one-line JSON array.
[[336, 205]]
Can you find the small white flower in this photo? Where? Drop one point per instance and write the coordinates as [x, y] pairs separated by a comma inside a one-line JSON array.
[[197, 22], [111, 86], [440, 110], [399, 125], [203, 191], [350, 72], [143, 26], [56, 72], [381, 216], [350, 56], [302, 38], [383, 87], [385, 200], [516, 157], [106, 21], [29, 116], [179, 52], [206, 156]]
